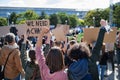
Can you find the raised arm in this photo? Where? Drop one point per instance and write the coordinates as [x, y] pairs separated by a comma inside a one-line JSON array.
[[95, 52], [39, 41], [39, 54], [98, 45], [23, 54], [44, 70], [47, 47]]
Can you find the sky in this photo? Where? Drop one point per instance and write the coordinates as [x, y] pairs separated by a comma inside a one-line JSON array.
[[74, 4]]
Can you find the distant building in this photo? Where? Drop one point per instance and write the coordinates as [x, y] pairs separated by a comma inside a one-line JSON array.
[[118, 3], [4, 11]]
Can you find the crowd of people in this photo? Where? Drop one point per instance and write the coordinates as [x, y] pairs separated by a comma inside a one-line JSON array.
[[56, 60]]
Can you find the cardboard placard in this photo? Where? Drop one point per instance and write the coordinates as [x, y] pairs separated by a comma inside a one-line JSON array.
[[60, 31], [34, 26], [64, 27], [6, 29], [91, 34]]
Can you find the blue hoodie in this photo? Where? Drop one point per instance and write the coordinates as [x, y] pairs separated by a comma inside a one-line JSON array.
[[78, 69]]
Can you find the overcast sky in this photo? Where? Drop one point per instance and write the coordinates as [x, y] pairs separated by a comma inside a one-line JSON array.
[[76, 4]]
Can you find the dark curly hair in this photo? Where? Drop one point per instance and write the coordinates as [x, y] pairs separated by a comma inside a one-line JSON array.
[[79, 51]]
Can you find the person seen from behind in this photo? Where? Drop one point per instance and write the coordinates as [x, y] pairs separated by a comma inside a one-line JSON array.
[[103, 62], [51, 68], [79, 54], [30, 66], [84, 66], [117, 45], [13, 69]]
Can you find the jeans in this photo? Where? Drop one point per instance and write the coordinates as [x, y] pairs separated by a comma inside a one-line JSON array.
[[17, 78], [103, 68], [111, 56], [99, 70], [118, 57]]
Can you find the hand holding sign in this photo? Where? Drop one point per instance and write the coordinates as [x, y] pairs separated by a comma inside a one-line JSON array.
[[44, 30], [34, 26]]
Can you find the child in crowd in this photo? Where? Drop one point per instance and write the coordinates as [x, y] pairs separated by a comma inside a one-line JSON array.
[[31, 67]]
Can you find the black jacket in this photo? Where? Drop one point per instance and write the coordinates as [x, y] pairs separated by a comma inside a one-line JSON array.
[[95, 54]]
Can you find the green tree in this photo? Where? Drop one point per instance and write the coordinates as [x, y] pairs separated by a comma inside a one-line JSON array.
[[116, 19], [54, 19], [3, 21], [43, 15], [89, 17], [98, 17], [30, 15], [64, 18], [21, 19], [13, 18], [81, 22], [73, 20], [93, 17], [105, 14]]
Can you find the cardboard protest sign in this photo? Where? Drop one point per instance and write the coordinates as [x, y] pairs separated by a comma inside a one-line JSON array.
[[64, 27], [6, 29], [91, 34], [34, 26], [60, 31]]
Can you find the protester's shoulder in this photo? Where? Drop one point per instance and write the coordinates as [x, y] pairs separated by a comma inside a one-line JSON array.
[[8, 47], [5, 47], [16, 51], [31, 65]]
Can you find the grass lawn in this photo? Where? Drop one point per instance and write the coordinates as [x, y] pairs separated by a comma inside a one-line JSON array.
[[79, 36]]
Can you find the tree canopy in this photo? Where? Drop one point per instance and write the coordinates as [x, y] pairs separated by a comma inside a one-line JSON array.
[[92, 18], [3, 21]]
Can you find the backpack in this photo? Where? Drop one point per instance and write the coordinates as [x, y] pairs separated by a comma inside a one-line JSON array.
[[32, 71]]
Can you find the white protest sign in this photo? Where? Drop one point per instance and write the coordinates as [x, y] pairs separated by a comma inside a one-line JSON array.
[[6, 29]]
